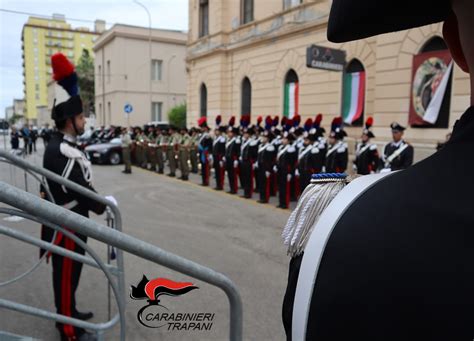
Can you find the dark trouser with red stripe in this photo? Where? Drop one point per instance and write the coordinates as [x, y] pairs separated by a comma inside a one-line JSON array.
[[264, 185], [232, 173], [247, 177], [295, 188], [273, 184], [66, 273], [305, 179], [284, 189], [205, 169], [219, 174]]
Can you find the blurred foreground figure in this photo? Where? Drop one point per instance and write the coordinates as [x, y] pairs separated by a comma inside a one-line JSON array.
[[391, 257]]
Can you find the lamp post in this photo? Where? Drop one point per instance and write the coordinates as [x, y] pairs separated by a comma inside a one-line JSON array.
[[168, 71], [149, 48]]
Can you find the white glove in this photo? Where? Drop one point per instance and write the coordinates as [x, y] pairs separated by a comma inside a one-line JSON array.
[[255, 165], [267, 174], [210, 158], [354, 168], [236, 163], [288, 177], [221, 164], [275, 169], [223, 159], [297, 172], [112, 199], [240, 158]]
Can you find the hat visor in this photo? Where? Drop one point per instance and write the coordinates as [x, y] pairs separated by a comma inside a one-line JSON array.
[[351, 20]]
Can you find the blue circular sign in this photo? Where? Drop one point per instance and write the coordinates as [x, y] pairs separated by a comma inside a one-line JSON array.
[[128, 108]]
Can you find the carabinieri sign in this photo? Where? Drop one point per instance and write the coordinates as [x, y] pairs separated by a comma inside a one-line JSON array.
[[320, 57]]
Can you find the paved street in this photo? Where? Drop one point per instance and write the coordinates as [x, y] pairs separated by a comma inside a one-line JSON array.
[[237, 237]]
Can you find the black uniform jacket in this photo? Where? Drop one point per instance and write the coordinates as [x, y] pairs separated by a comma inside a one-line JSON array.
[[205, 143], [336, 158], [399, 264], [367, 158], [404, 160], [55, 160], [218, 149]]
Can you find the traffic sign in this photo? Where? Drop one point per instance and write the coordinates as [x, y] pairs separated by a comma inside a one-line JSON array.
[[128, 108]]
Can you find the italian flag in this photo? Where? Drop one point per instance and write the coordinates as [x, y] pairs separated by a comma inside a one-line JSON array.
[[291, 100], [354, 95]]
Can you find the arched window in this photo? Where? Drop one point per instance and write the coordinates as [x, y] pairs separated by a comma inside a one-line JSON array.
[[434, 44], [353, 93], [431, 85], [246, 101], [203, 104], [291, 95]]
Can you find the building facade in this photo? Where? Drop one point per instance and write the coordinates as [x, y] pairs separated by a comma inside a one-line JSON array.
[[41, 38], [250, 57], [139, 68]]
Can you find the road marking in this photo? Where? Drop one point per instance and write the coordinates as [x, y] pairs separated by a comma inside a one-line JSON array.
[[209, 189]]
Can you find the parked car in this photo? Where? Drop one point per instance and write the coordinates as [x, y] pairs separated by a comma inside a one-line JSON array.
[[159, 124], [105, 152]]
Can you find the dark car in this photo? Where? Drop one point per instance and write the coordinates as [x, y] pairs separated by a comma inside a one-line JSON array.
[[105, 153]]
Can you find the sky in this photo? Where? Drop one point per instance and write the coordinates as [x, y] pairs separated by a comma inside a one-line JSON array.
[[167, 14]]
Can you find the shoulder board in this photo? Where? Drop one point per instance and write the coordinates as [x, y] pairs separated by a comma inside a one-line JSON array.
[[314, 150], [271, 148], [291, 149], [373, 147], [69, 151], [254, 143], [341, 149]]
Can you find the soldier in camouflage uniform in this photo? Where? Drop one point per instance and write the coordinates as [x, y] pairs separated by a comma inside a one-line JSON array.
[[184, 149], [193, 152], [151, 148], [160, 137], [172, 150]]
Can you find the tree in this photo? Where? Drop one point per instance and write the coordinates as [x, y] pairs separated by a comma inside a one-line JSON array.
[[177, 116], [85, 74]]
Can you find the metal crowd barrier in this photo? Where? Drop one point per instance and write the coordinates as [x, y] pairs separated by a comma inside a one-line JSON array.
[[34, 208]]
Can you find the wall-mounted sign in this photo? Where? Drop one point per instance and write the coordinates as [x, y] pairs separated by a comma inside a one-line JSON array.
[[320, 57]]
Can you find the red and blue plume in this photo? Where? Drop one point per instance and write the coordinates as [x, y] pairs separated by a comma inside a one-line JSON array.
[[218, 120], [259, 120], [268, 122], [202, 121], [64, 74], [288, 124], [308, 124], [245, 121], [317, 120], [336, 123], [296, 120], [283, 121], [232, 121], [369, 123], [276, 120]]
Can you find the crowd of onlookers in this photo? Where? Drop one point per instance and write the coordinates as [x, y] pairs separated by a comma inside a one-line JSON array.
[[23, 140]]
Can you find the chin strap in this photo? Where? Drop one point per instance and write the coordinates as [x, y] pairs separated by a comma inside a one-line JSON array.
[[74, 126]]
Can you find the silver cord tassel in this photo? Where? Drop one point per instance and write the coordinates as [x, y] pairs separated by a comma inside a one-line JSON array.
[[314, 200]]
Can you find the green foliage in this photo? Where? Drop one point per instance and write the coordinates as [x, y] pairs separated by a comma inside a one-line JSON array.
[[177, 116], [85, 74]]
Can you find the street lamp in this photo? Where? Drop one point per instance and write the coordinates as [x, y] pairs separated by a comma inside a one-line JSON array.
[[168, 81], [149, 48]]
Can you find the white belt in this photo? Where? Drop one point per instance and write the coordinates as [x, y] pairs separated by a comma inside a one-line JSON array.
[[71, 205]]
